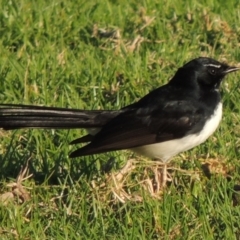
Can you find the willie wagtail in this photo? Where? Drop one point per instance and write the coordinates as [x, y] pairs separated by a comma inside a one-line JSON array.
[[169, 120]]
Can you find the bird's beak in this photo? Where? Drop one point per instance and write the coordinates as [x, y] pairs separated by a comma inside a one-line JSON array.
[[231, 69]]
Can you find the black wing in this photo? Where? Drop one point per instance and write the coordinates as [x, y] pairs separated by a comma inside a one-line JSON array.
[[142, 126]]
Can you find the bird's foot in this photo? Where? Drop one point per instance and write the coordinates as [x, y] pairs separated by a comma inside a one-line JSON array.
[[161, 177], [152, 177]]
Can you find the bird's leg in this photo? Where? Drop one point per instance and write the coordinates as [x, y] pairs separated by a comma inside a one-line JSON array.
[[161, 176], [164, 175]]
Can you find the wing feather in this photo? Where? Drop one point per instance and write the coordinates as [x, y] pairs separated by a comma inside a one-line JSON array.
[[143, 126]]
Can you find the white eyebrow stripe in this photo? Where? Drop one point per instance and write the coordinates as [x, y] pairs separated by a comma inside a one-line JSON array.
[[212, 65]]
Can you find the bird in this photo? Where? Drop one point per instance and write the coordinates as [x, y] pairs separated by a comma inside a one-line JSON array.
[[170, 119]]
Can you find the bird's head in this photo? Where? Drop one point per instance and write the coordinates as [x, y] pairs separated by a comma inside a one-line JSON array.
[[207, 73]]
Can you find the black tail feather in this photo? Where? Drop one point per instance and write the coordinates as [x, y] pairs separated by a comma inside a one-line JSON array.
[[13, 116]]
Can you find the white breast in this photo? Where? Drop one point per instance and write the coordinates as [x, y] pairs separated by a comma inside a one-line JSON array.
[[165, 150]]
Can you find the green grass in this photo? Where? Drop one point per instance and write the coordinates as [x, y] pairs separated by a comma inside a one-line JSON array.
[[52, 53]]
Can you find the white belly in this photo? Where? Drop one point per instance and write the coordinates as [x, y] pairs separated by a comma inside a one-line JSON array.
[[165, 150]]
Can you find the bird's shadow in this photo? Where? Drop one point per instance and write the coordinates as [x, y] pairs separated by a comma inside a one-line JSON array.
[[51, 171]]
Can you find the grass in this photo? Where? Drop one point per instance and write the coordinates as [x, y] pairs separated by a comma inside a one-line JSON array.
[[105, 55]]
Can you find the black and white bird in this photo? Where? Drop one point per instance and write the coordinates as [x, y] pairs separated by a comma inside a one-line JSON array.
[[169, 120]]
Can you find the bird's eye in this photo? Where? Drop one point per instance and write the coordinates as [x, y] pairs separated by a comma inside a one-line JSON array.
[[212, 71]]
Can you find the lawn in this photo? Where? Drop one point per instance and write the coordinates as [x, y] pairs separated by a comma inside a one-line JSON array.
[[106, 55]]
